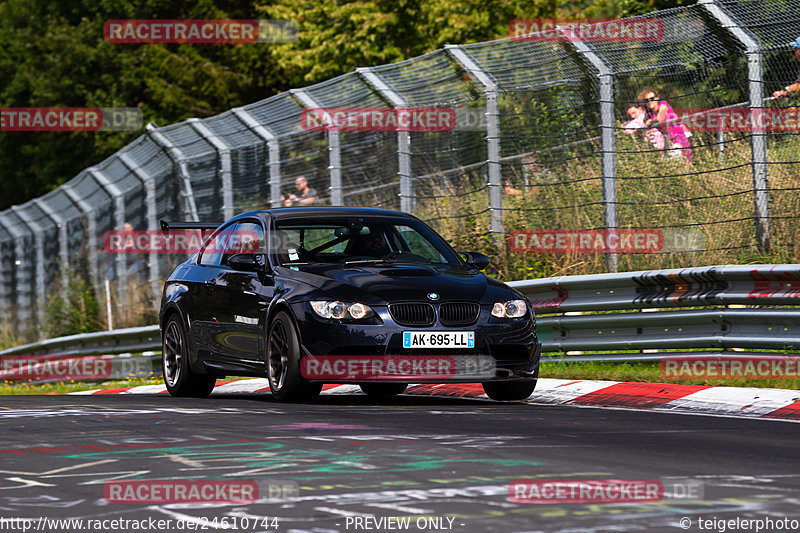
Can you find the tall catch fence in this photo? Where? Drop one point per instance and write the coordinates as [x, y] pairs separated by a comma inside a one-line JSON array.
[[538, 145]]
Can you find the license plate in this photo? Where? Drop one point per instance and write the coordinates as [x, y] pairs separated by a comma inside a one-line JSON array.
[[438, 339]]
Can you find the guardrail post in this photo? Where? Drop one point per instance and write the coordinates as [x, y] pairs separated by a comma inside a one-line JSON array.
[[226, 168], [119, 219], [23, 311], [491, 91], [334, 149], [149, 184], [274, 152], [758, 139], [91, 230], [38, 237], [380, 86], [63, 245], [178, 158], [607, 140], [6, 291]]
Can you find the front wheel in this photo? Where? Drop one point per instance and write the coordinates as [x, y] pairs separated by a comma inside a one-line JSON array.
[[383, 389], [283, 363], [178, 376], [509, 390]]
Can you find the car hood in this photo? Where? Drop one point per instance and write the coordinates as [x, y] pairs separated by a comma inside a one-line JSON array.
[[381, 284]]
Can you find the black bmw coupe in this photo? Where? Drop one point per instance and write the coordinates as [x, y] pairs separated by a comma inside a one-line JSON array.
[[307, 296]]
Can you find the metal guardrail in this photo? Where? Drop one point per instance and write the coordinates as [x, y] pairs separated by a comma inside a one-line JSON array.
[[683, 287], [719, 329], [129, 340], [764, 328]]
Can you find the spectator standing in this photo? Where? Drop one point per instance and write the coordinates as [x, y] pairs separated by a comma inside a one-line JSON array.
[[796, 85], [305, 194]]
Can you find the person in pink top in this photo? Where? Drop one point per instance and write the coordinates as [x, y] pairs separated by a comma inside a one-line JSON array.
[[663, 116]]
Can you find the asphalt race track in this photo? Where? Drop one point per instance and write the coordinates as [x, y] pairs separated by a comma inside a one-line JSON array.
[[444, 464]]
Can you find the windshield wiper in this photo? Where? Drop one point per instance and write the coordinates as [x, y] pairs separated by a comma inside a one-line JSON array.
[[366, 262]]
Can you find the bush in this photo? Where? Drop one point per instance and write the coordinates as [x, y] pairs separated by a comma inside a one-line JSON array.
[[72, 309]]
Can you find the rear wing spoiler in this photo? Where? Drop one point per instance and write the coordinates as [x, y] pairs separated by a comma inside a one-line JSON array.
[[169, 226]]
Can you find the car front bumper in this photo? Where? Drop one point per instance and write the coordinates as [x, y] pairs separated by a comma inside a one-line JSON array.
[[510, 344]]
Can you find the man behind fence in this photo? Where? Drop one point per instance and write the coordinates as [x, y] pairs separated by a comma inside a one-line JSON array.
[[306, 195]]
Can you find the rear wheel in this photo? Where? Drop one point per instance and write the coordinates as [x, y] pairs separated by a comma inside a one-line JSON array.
[[383, 389], [283, 363], [178, 376], [509, 390]]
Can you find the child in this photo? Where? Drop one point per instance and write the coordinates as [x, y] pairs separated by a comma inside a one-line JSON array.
[[638, 115]]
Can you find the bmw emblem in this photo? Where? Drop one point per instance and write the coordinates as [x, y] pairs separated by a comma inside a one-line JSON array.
[[433, 296]]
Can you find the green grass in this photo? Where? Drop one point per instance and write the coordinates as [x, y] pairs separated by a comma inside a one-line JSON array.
[[710, 203], [63, 387], [8, 387], [644, 371]]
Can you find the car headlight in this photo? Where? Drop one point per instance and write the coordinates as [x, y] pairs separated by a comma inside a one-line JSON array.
[[510, 309], [339, 310]]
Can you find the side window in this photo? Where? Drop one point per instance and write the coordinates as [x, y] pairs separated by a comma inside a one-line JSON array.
[[418, 245], [246, 237], [211, 254]]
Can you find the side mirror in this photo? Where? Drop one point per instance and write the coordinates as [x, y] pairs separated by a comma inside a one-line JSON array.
[[476, 259], [246, 262]]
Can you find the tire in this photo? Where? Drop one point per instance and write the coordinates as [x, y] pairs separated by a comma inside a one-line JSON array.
[[283, 363], [383, 389], [504, 391], [178, 375]]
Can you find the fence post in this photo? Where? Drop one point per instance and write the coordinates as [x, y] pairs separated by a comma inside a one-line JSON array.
[[334, 150], [63, 245], [491, 91], [91, 231], [38, 272], [758, 139], [178, 158], [149, 184], [119, 220], [274, 152], [23, 311], [608, 135], [380, 86], [226, 168]]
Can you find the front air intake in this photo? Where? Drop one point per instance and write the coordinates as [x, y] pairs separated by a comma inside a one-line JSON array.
[[454, 314], [413, 314]]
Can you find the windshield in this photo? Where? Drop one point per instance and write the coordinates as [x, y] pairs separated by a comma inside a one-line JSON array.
[[358, 241]]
